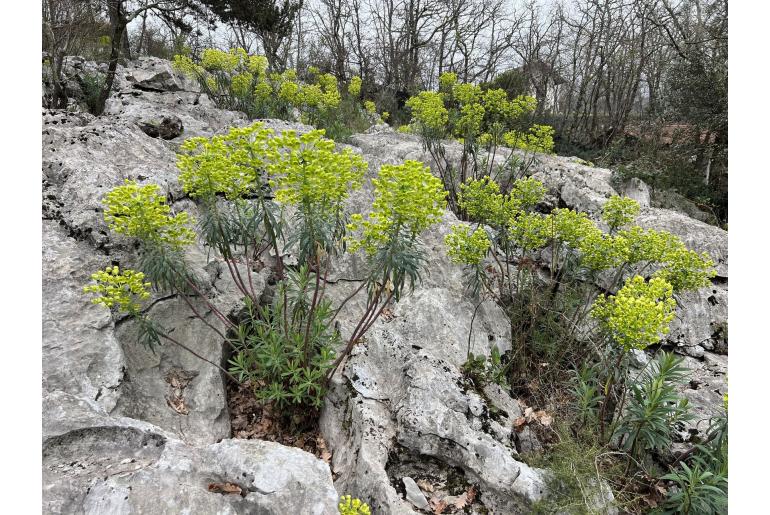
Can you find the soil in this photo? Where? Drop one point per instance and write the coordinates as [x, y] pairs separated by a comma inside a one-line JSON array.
[[250, 419]]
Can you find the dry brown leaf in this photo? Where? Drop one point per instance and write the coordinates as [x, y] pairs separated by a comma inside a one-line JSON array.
[[529, 414], [466, 498], [543, 417], [323, 451], [519, 424], [177, 404], [437, 505], [425, 486], [225, 488]]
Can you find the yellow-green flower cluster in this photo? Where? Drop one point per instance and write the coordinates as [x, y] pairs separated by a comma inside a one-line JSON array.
[[370, 107], [257, 64], [468, 114], [350, 506], [184, 64], [262, 91], [141, 212], [572, 227], [428, 110], [288, 91], [306, 170], [408, 200], [466, 247], [446, 82], [213, 59], [539, 138], [527, 193], [599, 251], [640, 314], [121, 289], [354, 88], [465, 93], [241, 84], [229, 164], [496, 104], [471, 117], [238, 80], [530, 231], [686, 269], [483, 202], [520, 106], [648, 245], [619, 211]]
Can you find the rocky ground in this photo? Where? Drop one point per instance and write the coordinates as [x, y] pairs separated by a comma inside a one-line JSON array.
[[126, 430]]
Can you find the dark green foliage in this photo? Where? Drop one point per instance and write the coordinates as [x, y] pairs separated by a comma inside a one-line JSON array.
[[586, 390], [698, 491], [701, 486], [91, 84], [272, 20], [166, 269], [150, 332], [400, 264], [654, 407], [483, 371], [284, 349], [513, 81]]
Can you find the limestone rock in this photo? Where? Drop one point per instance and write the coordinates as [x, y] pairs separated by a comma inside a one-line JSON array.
[[636, 189], [120, 465], [167, 127], [129, 431], [154, 74], [413, 493]]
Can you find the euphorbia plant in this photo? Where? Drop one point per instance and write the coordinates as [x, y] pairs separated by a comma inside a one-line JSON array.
[[239, 81], [243, 181], [482, 121], [408, 200], [535, 265]]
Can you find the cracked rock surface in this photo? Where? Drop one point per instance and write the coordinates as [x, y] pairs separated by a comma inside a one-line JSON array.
[[129, 431], [126, 430]]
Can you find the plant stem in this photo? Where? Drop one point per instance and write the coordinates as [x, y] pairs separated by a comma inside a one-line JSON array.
[[188, 349]]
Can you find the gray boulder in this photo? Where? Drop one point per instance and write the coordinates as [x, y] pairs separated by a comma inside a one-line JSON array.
[[95, 463], [167, 127], [127, 430]]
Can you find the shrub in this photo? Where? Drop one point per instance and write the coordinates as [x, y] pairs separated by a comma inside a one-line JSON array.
[[239, 81], [482, 121], [350, 506], [654, 407], [243, 181], [697, 491], [549, 310], [92, 85], [285, 350], [483, 371]]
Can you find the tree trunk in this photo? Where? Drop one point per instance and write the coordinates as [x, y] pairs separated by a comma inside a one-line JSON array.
[[59, 99], [125, 44], [118, 21]]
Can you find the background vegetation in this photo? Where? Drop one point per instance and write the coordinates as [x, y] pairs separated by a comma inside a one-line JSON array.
[[639, 85]]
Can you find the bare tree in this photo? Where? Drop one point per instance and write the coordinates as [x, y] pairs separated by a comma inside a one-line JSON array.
[[120, 16], [64, 23]]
